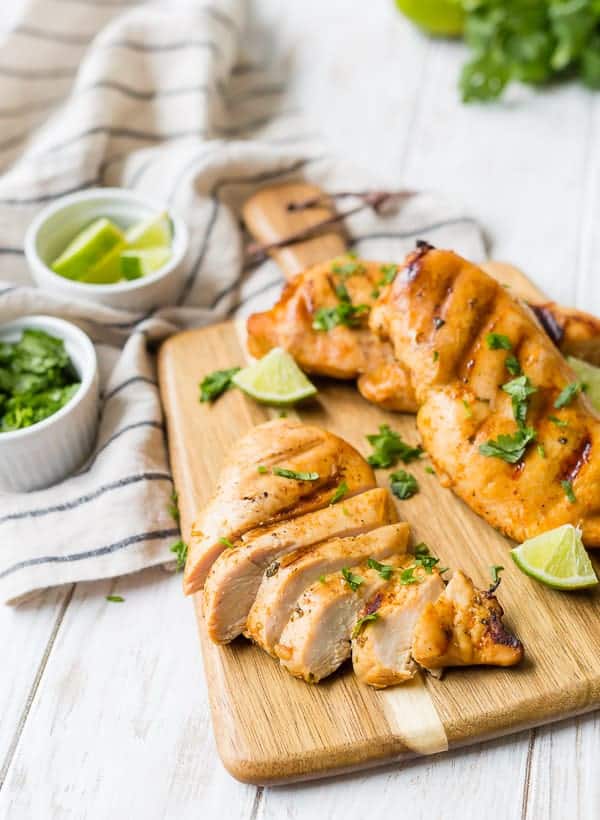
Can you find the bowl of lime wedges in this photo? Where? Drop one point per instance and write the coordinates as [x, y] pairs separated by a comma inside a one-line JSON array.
[[109, 245]]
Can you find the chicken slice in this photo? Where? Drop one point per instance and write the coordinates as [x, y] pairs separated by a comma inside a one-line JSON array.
[[342, 352], [440, 313], [464, 628], [381, 652], [246, 498], [235, 578], [316, 639], [286, 579]]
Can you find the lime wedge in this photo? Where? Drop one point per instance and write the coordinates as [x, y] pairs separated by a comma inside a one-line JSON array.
[[135, 264], [557, 558], [107, 271], [87, 249], [276, 379], [154, 232], [443, 17], [590, 376]]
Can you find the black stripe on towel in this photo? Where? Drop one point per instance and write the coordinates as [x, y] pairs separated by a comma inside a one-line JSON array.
[[153, 535]]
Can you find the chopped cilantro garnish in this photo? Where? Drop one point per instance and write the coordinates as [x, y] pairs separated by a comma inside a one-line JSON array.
[[557, 421], [388, 448], [115, 599], [226, 543], [510, 448], [495, 571], [498, 341], [345, 269], [567, 395], [429, 469], [403, 484], [216, 383], [299, 476], [436, 355], [513, 365], [345, 313], [385, 570], [353, 581], [261, 469], [519, 390], [407, 576], [341, 291], [541, 451], [322, 579], [341, 491], [389, 274], [372, 616], [173, 508], [569, 492], [181, 550], [468, 409], [37, 378]]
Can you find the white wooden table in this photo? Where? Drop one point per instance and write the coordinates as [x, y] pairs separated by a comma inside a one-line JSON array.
[[104, 710]]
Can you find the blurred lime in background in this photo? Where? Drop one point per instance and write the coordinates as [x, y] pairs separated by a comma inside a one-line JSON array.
[[443, 17]]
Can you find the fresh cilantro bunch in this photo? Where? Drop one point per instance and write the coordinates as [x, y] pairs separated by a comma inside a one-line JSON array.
[[36, 379], [532, 41]]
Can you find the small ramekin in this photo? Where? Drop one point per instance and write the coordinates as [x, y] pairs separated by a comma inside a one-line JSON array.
[[50, 450], [55, 226]]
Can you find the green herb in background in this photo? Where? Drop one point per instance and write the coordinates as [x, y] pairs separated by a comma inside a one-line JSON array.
[[37, 378], [115, 599], [180, 550]]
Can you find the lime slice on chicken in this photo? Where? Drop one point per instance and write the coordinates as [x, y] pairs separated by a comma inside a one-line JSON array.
[[154, 232], [87, 249], [557, 558], [135, 264], [590, 376], [275, 379]]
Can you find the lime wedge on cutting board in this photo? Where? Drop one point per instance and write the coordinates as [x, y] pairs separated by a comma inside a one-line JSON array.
[[557, 558], [88, 248], [590, 376], [154, 232], [275, 379], [135, 264]]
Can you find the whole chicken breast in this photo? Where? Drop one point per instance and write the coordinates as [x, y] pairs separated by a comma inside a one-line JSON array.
[[464, 628], [286, 579], [455, 328], [247, 497], [317, 638], [235, 578]]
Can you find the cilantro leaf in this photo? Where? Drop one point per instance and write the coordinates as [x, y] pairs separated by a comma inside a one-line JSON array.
[[298, 476], [519, 390], [513, 365], [403, 484], [341, 492], [226, 543], [372, 616], [353, 581], [498, 341], [569, 492], [388, 448], [216, 383], [509, 448], [345, 269], [385, 570], [389, 274], [181, 550], [568, 394], [115, 599]]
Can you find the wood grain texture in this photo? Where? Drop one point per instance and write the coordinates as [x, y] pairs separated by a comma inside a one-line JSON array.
[[272, 728]]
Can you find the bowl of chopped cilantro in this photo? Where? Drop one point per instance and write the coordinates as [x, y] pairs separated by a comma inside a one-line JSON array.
[[48, 401]]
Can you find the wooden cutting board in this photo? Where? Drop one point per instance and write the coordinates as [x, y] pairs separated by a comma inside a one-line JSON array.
[[271, 728]]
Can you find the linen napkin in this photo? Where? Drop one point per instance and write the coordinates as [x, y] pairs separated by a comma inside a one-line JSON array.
[[167, 99]]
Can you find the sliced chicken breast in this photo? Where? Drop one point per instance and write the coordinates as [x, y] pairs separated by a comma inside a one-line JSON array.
[[316, 639], [287, 577], [247, 497], [381, 652], [235, 578], [464, 628]]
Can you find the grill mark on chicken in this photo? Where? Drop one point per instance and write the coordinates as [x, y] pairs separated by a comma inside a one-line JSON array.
[[571, 467], [485, 321], [549, 322]]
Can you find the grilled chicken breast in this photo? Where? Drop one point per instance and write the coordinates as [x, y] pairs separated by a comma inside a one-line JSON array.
[[234, 580], [246, 498], [316, 639], [381, 651], [287, 578], [343, 352], [464, 628], [524, 476]]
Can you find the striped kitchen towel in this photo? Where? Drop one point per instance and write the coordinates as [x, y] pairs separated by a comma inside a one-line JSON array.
[[175, 99]]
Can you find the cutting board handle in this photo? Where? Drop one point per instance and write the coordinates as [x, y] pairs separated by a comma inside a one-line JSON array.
[[269, 219]]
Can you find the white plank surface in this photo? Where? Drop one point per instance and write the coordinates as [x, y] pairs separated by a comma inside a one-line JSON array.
[[103, 705]]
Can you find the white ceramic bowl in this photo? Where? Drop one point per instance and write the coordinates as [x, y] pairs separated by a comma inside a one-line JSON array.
[[55, 226], [48, 451]]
